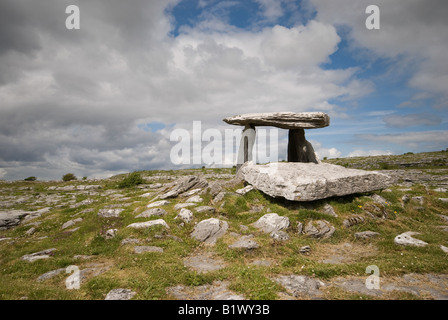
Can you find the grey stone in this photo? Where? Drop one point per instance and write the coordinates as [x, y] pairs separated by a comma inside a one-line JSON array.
[[406, 239], [120, 294], [143, 249], [110, 213], [206, 209], [309, 181], [111, 233], [244, 190], [70, 223], [366, 235], [245, 242], [305, 250], [219, 196], [353, 220], [245, 149], [30, 231], [44, 254], [328, 209], [445, 200], [320, 229], [379, 199], [218, 290], [279, 235], [194, 199], [444, 249], [184, 205], [444, 217], [184, 184], [300, 149], [271, 222], [155, 186], [152, 212], [284, 120], [50, 274], [299, 285], [190, 193], [185, 215], [130, 241], [149, 224], [419, 199], [157, 204], [204, 262], [209, 230]]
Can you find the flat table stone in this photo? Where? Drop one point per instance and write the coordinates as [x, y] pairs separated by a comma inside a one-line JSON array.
[[284, 120]]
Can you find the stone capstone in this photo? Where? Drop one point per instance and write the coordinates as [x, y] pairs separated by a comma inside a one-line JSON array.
[[310, 181], [284, 120]]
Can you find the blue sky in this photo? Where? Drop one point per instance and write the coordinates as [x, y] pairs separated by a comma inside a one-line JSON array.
[[104, 99]]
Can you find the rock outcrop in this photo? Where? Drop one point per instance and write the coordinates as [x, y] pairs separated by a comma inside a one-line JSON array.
[[310, 181]]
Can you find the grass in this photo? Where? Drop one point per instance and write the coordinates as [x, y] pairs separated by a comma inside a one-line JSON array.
[[150, 274]]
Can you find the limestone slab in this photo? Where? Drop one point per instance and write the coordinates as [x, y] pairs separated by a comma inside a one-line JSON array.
[[310, 181], [284, 120]]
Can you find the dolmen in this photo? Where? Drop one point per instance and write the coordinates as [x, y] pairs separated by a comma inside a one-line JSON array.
[[303, 177]]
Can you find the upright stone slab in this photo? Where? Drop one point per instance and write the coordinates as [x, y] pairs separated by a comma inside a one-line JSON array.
[[299, 149], [246, 146]]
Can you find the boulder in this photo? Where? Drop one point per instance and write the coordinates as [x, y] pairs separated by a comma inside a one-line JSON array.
[[244, 190], [207, 209], [299, 285], [185, 215], [209, 230], [244, 242], [148, 224], [44, 254], [152, 212], [406, 239], [120, 294], [157, 204], [143, 249], [310, 181], [271, 222], [184, 184], [110, 213], [366, 235], [320, 229]]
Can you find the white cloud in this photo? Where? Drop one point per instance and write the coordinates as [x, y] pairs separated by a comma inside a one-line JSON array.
[[432, 140], [2, 173], [411, 120], [325, 152], [367, 153]]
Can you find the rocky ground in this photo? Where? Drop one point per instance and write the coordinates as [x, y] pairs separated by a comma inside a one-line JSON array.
[[202, 234]]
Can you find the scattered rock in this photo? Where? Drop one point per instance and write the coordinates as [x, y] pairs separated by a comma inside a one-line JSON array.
[[279, 235], [354, 220], [152, 212], [155, 186], [271, 222], [320, 229], [44, 254], [419, 199], [406, 239], [219, 197], [30, 231], [185, 215], [143, 249], [245, 242], [299, 227], [444, 249], [444, 217], [50, 274], [209, 230], [204, 262], [328, 209], [110, 213], [120, 294], [148, 224], [157, 204], [130, 241], [244, 190], [194, 199], [190, 193], [305, 250], [300, 286], [445, 200], [218, 290], [366, 235], [184, 184], [70, 223], [111, 233], [206, 209], [379, 199], [184, 205]]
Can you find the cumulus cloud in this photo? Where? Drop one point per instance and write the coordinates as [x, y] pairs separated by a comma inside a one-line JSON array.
[[429, 140], [367, 153]]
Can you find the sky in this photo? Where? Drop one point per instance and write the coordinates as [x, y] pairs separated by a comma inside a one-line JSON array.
[[105, 98]]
